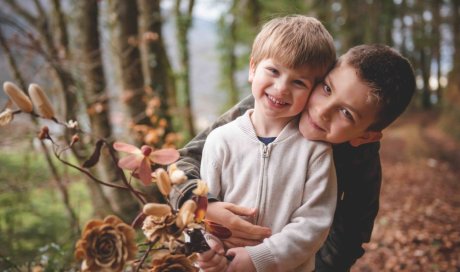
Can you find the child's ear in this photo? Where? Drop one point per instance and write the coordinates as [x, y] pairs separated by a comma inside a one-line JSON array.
[[367, 137], [252, 70]]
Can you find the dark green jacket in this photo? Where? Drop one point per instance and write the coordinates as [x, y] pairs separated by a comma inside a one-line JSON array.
[[359, 179]]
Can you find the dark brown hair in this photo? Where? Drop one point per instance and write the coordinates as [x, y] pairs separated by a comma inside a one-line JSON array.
[[389, 75]]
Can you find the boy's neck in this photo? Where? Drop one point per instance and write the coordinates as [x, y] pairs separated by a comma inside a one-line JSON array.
[[266, 126]]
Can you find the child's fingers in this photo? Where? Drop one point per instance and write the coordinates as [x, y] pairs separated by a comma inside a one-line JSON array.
[[241, 210], [211, 261], [215, 244]]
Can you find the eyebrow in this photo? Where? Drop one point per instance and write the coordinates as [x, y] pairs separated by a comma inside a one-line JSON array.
[[328, 78]]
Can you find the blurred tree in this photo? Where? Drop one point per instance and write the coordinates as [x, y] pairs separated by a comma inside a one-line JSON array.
[[183, 24], [436, 45], [158, 72], [228, 59], [451, 103], [105, 200], [59, 181], [127, 42]]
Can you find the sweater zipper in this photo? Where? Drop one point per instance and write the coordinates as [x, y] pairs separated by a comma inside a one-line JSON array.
[[262, 183]]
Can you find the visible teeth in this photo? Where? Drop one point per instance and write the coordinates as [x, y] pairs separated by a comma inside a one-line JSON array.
[[274, 100]]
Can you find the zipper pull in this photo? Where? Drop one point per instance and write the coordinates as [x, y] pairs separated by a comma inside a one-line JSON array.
[[266, 151]]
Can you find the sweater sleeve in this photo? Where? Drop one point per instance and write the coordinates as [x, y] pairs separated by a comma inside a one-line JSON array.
[[190, 154], [299, 240], [211, 170]]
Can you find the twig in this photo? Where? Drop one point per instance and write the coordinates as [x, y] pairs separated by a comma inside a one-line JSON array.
[[147, 252], [87, 173]]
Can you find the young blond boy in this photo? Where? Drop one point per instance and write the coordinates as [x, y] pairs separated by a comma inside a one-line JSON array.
[[262, 160]]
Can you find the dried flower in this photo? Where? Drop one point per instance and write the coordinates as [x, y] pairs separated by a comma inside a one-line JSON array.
[[173, 263], [41, 102], [71, 124], [106, 245], [160, 228], [6, 117], [141, 159], [156, 209], [18, 97]]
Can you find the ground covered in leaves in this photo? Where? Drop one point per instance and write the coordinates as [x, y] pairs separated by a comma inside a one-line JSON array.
[[418, 225]]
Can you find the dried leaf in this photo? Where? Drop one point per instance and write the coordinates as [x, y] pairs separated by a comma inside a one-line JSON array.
[[94, 159]]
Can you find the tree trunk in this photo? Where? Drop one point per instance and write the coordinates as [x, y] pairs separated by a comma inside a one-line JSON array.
[[183, 24], [106, 200], [227, 24], [132, 78], [158, 71]]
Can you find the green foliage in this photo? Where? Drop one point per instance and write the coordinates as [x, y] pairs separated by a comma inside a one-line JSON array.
[[33, 221]]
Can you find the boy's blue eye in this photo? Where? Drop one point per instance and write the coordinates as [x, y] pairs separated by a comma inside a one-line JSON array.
[[272, 70]]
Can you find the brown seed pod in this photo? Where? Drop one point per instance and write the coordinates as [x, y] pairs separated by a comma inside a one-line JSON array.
[[163, 181], [156, 209], [41, 102], [18, 97], [186, 213]]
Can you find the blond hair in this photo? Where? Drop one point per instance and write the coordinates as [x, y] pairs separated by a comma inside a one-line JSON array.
[[295, 41]]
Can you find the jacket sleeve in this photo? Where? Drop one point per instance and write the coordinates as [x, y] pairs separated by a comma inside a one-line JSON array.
[[359, 180], [190, 154], [293, 247]]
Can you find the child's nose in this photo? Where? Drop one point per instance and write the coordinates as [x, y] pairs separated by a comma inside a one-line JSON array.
[[281, 86], [323, 113]]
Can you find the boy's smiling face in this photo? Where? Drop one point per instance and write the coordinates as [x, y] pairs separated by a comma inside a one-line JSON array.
[[340, 109], [280, 92]]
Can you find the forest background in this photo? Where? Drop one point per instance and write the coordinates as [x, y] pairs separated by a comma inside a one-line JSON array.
[[158, 72]]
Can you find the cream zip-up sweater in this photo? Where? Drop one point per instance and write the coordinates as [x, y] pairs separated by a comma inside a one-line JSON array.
[[291, 182]]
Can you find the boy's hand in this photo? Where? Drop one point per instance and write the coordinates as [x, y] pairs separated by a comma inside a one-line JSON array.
[[243, 232], [213, 260], [241, 260]]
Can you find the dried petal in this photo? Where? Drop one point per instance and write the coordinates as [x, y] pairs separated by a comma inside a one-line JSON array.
[[41, 102], [164, 156], [217, 229], [6, 117], [202, 206], [18, 96], [130, 162], [124, 147], [145, 172], [156, 209]]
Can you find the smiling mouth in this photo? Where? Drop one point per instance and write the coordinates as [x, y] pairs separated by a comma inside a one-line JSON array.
[[276, 101], [313, 124]]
